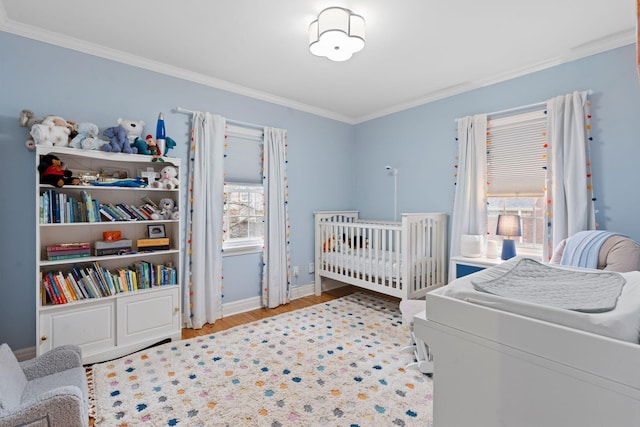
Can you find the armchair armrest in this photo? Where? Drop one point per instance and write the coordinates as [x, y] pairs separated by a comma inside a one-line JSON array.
[[56, 360], [63, 406]]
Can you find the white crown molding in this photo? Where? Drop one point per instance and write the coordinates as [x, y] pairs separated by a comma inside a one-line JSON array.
[[57, 39], [593, 47]]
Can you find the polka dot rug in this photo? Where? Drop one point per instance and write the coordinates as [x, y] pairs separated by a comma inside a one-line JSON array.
[[332, 364]]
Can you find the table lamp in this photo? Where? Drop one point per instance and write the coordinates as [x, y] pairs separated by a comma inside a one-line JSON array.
[[508, 225]]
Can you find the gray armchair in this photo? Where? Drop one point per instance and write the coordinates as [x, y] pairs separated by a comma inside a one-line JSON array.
[[49, 390]]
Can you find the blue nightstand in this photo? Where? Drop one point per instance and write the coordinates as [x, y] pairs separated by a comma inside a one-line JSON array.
[[465, 265]]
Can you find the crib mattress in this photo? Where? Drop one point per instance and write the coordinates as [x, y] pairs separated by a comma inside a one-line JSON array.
[[367, 262], [622, 322]]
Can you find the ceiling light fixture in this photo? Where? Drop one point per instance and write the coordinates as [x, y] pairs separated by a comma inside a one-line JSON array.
[[336, 34]]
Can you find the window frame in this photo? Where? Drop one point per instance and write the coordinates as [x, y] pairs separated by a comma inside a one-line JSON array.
[[241, 246]]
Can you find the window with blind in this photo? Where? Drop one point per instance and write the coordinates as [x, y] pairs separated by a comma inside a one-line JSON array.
[[243, 194], [516, 161]]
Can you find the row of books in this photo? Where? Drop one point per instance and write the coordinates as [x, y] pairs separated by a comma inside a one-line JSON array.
[[59, 208], [95, 281], [123, 212], [56, 207]]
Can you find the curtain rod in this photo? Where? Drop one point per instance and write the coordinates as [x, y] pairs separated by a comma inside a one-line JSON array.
[[230, 121], [526, 107]]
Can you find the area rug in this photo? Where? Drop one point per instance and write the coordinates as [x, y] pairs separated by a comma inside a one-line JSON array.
[[333, 364]]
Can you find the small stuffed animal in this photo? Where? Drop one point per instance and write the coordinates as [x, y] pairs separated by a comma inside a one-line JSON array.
[[87, 137], [28, 119], [133, 128], [168, 210], [118, 141], [141, 145], [148, 147], [53, 130], [52, 172], [170, 144], [168, 178]]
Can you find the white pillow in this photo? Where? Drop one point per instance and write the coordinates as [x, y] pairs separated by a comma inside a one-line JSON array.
[[12, 379]]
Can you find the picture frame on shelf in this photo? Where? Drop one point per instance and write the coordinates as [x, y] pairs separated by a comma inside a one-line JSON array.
[[156, 231]]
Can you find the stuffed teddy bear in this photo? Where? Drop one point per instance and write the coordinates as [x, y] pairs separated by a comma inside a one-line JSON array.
[[87, 137], [168, 178], [118, 141], [53, 130], [168, 210], [52, 172], [133, 128]]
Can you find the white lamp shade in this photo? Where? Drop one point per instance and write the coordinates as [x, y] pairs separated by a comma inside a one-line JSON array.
[[509, 225], [336, 34]]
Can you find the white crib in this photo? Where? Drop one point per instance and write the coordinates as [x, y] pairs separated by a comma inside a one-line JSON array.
[[402, 259]]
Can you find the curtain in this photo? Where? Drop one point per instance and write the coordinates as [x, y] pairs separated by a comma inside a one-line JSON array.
[[469, 204], [203, 264], [276, 285], [569, 190]]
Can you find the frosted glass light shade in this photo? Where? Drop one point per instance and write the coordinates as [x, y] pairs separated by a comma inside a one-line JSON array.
[[336, 34]]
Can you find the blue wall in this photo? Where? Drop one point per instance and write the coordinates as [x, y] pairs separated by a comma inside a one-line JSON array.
[[53, 80], [420, 141], [332, 165]]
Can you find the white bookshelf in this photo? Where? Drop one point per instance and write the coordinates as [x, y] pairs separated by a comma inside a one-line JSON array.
[[124, 322]]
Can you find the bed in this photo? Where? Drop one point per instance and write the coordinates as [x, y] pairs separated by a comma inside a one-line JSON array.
[[403, 259], [509, 362]]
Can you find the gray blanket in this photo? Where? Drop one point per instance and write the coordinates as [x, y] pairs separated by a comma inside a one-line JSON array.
[[531, 281]]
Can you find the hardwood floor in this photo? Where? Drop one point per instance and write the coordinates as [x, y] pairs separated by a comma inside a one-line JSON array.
[[263, 313]]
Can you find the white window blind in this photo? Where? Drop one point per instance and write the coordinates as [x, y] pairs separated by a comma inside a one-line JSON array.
[[516, 154], [243, 161]]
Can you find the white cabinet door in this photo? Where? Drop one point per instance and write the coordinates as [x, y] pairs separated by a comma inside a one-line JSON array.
[[89, 325], [146, 316]]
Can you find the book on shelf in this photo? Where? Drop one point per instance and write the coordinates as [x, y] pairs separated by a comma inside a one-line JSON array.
[[59, 208], [68, 246], [156, 244], [95, 281], [116, 247], [140, 213], [150, 202], [72, 256]]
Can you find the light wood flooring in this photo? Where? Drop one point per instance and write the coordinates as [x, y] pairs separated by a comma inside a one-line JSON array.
[[263, 313]]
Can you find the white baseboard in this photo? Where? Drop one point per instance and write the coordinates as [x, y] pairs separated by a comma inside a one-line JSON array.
[[25, 354], [255, 303]]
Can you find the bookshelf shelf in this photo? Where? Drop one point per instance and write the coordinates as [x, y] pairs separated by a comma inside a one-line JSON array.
[[64, 307], [116, 316], [119, 258], [110, 224]]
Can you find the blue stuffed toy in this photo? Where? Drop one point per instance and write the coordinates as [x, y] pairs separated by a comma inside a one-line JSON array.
[[87, 137], [118, 141]]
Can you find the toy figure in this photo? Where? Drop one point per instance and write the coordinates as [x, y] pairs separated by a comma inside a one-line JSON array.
[[52, 172]]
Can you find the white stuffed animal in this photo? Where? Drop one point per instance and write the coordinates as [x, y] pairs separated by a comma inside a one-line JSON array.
[[134, 128], [53, 130], [168, 178]]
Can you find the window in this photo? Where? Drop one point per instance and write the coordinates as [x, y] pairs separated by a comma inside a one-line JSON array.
[[530, 209], [516, 165], [243, 217]]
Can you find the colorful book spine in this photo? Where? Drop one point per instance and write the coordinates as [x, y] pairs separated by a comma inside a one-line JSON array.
[[63, 257]]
